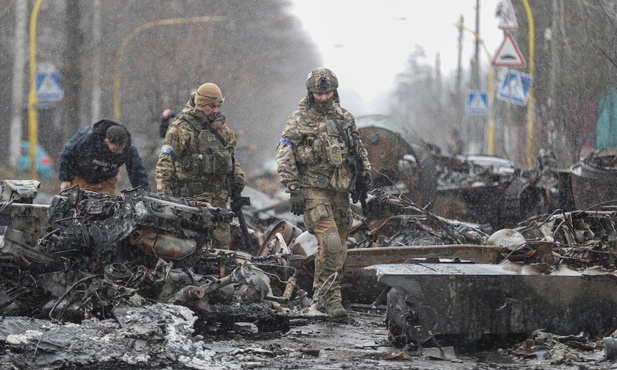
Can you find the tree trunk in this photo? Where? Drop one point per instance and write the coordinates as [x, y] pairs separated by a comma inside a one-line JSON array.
[[71, 71]]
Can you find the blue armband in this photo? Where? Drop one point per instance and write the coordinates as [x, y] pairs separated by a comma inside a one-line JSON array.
[[286, 142], [167, 149]]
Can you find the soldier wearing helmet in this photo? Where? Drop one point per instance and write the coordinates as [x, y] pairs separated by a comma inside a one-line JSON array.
[[313, 159], [322, 81], [197, 159]]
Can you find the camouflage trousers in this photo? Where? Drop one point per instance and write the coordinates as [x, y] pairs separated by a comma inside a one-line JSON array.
[[328, 217], [107, 186]]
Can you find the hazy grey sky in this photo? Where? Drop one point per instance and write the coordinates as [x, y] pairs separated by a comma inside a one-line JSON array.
[[367, 43]]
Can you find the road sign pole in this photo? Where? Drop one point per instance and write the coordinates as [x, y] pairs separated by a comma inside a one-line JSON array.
[[531, 103], [491, 93], [491, 114], [32, 103]]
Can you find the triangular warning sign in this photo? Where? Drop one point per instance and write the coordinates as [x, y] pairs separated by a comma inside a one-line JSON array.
[[508, 54], [508, 18]]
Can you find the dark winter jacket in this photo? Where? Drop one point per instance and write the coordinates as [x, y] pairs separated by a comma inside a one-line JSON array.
[[87, 156]]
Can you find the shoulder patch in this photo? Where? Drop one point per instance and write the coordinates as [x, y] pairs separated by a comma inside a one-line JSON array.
[[286, 142], [167, 149]]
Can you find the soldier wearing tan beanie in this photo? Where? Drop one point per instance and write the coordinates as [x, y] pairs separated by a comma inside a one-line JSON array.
[[208, 93], [197, 158]]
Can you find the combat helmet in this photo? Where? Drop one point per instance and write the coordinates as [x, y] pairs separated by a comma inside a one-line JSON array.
[[321, 80]]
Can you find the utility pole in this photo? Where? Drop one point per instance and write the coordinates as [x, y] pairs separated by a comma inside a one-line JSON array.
[[557, 138], [96, 79], [71, 73], [18, 82], [476, 52], [460, 118], [531, 101], [477, 138]]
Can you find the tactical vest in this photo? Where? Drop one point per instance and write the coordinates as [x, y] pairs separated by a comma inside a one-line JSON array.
[[326, 150], [205, 165]]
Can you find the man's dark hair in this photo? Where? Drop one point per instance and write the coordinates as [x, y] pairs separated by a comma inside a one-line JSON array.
[[117, 134]]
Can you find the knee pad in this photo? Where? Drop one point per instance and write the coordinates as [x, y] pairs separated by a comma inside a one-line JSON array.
[[332, 241]]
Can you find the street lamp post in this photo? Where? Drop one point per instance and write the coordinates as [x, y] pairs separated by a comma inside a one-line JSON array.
[[491, 116], [32, 98], [131, 36], [531, 103]]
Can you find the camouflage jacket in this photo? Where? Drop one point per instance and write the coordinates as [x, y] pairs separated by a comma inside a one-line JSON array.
[[181, 162], [315, 147]]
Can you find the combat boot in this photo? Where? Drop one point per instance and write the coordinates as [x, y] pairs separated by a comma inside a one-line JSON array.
[[336, 310]]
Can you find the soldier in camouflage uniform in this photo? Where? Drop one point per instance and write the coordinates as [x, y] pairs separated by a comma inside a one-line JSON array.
[[312, 158], [197, 159]]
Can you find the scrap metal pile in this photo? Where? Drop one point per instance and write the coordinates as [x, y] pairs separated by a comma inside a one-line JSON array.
[[577, 239], [103, 260], [490, 191], [463, 249], [594, 179], [89, 254], [556, 272], [482, 189], [393, 220], [127, 266]]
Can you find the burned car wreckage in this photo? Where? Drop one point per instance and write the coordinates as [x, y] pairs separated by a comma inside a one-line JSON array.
[[456, 250], [553, 266], [89, 252]]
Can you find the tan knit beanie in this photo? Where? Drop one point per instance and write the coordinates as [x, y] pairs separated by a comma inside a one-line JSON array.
[[208, 93]]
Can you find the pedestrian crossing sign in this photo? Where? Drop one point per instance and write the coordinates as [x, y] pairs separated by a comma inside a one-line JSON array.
[[48, 86], [477, 102], [514, 87]]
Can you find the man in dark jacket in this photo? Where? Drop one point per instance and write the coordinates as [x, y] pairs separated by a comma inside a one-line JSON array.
[[93, 156]]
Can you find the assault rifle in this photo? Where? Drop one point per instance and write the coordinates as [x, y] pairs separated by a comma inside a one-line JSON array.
[[357, 187], [236, 203]]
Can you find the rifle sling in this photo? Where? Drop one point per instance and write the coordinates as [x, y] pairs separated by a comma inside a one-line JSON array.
[[340, 130]]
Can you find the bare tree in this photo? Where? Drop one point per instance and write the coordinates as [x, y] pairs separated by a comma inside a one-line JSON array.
[[71, 69], [575, 68], [572, 70], [253, 49]]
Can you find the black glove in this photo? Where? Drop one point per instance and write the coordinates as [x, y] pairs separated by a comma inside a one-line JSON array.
[[367, 180], [296, 200]]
